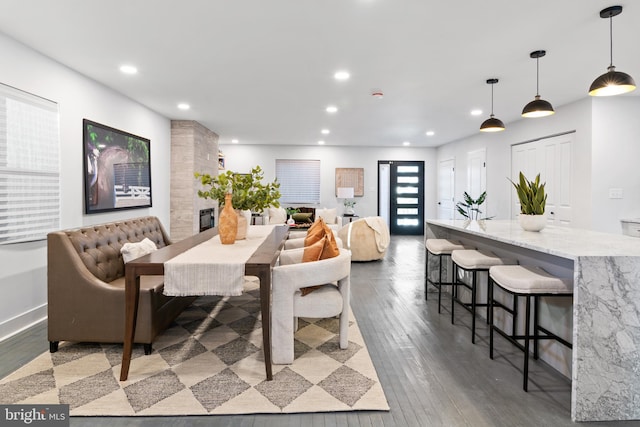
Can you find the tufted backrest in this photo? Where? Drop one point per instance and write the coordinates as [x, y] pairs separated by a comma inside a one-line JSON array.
[[99, 245]]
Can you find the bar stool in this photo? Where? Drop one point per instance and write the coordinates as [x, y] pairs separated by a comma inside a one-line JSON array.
[[526, 281], [474, 261], [440, 248]]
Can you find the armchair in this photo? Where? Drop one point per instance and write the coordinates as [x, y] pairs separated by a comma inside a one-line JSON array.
[[331, 299]]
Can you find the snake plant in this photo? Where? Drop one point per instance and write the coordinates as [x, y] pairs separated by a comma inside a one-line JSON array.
[[531, 194]]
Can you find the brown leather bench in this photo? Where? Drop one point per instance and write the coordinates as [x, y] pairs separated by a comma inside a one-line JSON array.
[[85, 281]]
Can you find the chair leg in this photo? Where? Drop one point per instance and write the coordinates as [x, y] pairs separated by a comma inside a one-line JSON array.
[[439, 282], [426, 274], [526, 343], [535, 327], [454, 289], [490, 316], [474, 278]]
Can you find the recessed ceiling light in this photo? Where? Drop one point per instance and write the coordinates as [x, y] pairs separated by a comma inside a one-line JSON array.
[[476, 112], [332, 109], [342, 75], [184, 106], [430, 133], [128, 69], [325, 131], [321, 142], [234, 141], [406, 143]]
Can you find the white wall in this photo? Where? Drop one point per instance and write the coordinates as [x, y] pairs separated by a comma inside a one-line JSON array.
[[23, 276], [573, 117], [616, 157], [241, 158]]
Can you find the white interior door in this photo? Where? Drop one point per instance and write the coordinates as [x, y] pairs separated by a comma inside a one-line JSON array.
[[552, 158], [477, 175], [446, 189]]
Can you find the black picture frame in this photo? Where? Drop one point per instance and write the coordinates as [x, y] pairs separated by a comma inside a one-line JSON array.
[[117, 169]]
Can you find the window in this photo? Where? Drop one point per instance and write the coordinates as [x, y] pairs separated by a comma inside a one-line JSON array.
[[29, 166], [299, 180]]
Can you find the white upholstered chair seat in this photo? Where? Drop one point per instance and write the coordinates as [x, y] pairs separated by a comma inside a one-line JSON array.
[[443, 246], [478, 259], [288, 304], [521, 279]]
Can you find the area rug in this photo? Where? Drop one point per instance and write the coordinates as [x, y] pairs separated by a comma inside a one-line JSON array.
[[209, 361]]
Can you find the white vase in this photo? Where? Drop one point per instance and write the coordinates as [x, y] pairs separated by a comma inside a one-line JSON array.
[[532, 222]]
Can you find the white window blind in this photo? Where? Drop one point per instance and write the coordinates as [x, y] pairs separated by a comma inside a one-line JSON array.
[[299, 180], [29, 166]]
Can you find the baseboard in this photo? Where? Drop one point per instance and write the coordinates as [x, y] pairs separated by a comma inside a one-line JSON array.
[[22, 322]]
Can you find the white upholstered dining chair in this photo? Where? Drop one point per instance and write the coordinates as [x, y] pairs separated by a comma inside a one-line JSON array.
[[288, 303]]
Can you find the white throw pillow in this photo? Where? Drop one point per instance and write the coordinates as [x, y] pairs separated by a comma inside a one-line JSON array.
[[328, 215], [131, 251], [277, 215]]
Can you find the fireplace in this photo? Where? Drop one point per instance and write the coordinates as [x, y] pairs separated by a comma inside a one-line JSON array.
[[207, 218]]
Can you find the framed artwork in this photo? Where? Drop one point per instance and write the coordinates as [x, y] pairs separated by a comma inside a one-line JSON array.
[[117, 169], [350, 178]]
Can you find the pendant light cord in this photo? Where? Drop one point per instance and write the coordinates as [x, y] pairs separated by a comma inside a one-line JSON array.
[[491, 100], [538, 76], [610, 41]]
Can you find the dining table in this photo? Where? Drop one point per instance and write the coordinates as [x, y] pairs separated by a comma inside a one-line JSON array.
[[262, 247]]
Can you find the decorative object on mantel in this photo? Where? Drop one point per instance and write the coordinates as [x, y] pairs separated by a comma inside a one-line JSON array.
[[248, 193], [228, 222], [532, 203]]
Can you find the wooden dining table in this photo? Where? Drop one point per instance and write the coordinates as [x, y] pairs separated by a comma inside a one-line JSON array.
[[259, 264]]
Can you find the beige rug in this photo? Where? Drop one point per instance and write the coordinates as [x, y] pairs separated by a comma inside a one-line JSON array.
[[209, 362]]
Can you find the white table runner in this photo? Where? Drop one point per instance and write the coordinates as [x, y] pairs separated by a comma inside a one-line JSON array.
[[212, 268]]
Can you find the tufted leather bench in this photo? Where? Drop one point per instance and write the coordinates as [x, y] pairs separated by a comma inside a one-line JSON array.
[[85, 282]]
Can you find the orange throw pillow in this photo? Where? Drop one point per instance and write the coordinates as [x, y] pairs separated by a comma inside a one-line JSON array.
[[315, 232], [313, 252], [331, 249]]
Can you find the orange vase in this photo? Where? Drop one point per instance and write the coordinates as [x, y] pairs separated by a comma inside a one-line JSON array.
[[228, 222]]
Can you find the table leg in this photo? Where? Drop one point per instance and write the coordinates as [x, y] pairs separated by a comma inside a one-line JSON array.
[[265, 306], [132, 295]]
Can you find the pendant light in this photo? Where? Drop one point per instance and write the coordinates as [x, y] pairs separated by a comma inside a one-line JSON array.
[[492, 124], [538, 107], [612, 82]]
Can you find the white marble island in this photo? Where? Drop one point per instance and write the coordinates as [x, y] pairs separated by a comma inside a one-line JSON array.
[[606, 313]]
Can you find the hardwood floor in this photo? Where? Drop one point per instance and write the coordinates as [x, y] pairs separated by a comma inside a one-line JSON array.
[[431, 373]]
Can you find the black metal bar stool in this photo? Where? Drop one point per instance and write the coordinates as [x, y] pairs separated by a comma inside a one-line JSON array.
[[529, 282], [474, 261], [439, 248]]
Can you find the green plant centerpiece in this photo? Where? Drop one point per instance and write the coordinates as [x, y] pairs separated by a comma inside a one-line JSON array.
[[470, 207], [533, 200], [248, 191]]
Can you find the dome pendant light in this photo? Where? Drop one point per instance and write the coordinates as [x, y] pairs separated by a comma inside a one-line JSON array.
[[492, 124], [538, 107], [612, 82]]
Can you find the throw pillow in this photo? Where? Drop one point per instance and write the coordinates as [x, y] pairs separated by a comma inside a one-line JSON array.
[[331, 248], [302, 218], [329, 215], [313, 252], [131, 251], [315, 232], [277, 215]]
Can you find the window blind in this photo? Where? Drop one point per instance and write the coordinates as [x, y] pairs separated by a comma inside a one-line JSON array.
[[299, 180], [29, 166]]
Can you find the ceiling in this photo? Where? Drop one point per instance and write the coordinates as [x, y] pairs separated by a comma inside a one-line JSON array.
[[261, 71]]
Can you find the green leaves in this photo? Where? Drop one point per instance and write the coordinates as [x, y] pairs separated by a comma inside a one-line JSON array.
[[531, 195], [470, 208], [248, 191]]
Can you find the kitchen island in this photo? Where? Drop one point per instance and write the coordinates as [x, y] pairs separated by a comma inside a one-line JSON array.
[[605, 361]]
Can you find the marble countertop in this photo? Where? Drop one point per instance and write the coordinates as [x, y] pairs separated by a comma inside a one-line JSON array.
[[559, 241]]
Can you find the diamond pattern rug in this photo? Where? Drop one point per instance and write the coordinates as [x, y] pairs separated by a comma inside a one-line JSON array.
[[209, 362]]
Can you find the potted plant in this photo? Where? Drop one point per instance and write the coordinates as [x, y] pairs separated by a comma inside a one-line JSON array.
[[533, 200], [248, 192], [470, 207]]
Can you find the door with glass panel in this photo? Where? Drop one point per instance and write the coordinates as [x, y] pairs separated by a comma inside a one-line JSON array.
[[406, 197]]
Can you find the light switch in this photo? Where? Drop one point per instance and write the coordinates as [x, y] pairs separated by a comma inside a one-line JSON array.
[[615, 193]]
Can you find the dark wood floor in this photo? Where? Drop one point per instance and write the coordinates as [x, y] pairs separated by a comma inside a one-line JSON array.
[[431, 373]]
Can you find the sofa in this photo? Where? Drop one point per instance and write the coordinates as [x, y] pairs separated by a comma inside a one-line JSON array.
[[86, 285]]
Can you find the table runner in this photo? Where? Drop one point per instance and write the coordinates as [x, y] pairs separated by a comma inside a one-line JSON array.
[[212, 268]]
